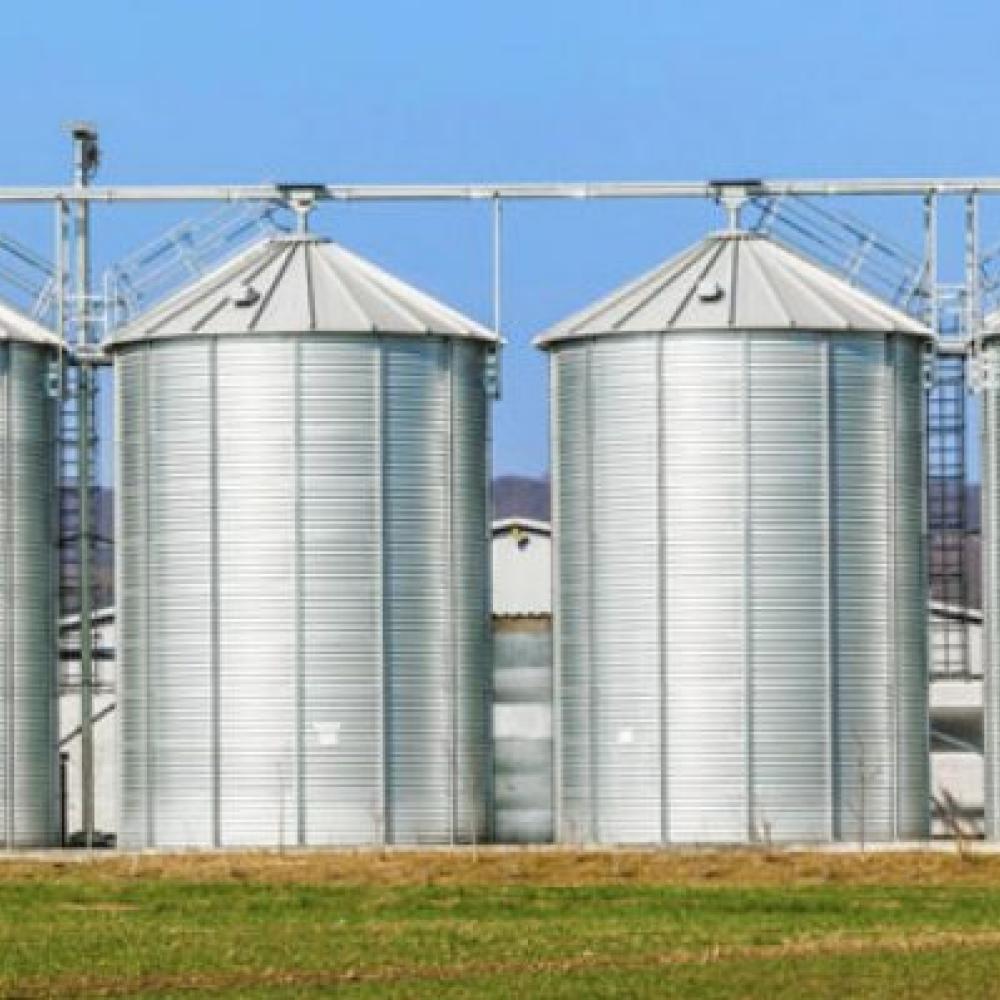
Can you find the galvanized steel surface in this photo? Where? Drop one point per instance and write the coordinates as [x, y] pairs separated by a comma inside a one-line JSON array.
[[302, 283], [304, 590], [522, 728], [735, 280], [28, 791], [739, 587]]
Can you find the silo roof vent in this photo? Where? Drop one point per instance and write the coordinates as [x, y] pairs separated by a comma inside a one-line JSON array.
[[246, 297], [710, 291]]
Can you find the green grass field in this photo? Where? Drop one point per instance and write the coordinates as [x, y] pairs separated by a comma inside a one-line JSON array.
[[549, 924]]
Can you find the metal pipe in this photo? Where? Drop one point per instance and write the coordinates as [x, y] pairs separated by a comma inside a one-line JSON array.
[[497, 262], [55, 520], [86, 155], [972, 323], [955, 186], [930, 261]]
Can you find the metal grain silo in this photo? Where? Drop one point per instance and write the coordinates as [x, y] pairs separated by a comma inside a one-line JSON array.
[[303, 561], [28, 784], [740, 644]]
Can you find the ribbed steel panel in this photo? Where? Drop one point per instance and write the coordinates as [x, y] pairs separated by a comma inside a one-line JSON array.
[[740, 644], [786, 563], [702, 532], [472, 635], [341, 543], [177, 560], [909, 667], [860, 471], [571, 507], [522, 737], [623, 587], [132, 488], [419, 593], [255, 420], [304, 573], [28, 797]]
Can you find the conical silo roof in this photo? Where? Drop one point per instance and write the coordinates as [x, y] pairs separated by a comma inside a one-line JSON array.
[[15, 325], [299, 284], [735, 280]]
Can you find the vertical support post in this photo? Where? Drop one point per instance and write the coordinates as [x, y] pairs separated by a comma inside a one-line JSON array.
[[59, 279], [487, 750], [59, 299], [86, 651], [972, 266], [497, 261], [973, 331], [85, 160], [930, 261]]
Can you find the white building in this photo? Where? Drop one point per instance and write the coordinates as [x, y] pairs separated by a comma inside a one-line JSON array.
[[522, 681], [522, 567], [956, 709], [105, 725]]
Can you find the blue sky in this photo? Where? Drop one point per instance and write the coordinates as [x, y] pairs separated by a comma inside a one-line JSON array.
[[188, 91]]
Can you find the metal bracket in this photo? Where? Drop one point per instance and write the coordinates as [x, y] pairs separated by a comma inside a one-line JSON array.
[[984, 370], [53, 380], [301, 199], [732, 195], [927, 367], [90, 354], [494, 374]]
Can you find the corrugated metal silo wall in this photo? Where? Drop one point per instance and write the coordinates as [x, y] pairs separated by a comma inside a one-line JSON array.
[[740, 621], [990, 441], [304, 636], [522, 733], [28, 797]]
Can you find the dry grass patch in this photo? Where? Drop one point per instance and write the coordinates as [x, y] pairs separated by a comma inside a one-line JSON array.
[[543, 867]]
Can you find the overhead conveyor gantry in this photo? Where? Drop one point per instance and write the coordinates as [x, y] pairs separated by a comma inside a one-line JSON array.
[[533, 191], [75, 308]]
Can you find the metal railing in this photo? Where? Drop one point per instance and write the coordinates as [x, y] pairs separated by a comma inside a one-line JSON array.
[[183, 252]]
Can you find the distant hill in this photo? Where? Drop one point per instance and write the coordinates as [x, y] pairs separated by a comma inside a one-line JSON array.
[[522, 496]]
